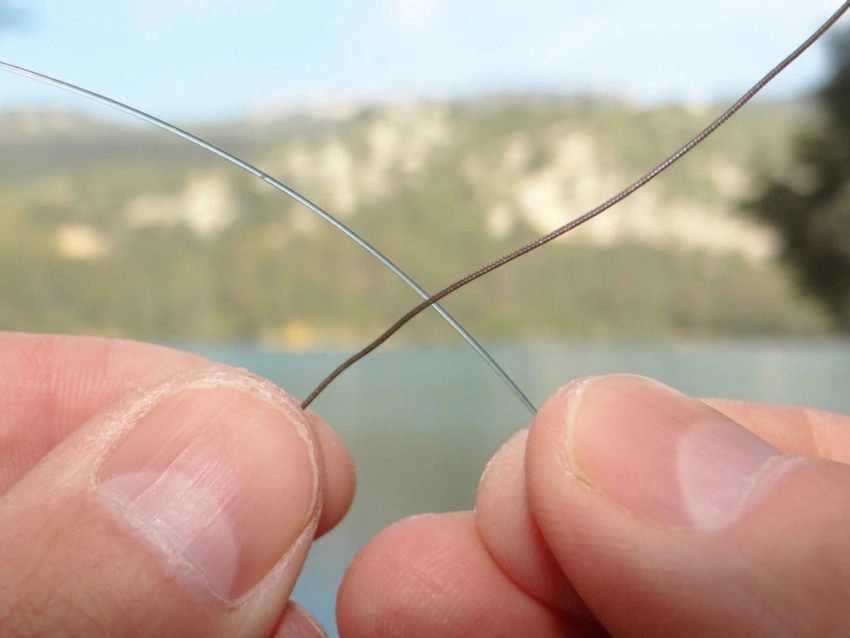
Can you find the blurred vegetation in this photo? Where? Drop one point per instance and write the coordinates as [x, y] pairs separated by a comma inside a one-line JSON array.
[[73, 258], [809, 202]]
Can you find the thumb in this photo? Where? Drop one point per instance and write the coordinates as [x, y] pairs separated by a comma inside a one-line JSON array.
[[671, 519], [184, 509]]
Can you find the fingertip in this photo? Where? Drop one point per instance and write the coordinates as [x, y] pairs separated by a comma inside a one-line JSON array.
[[340, 478], [297, 622], [671, 519], [430, 575], [511, 534], [190, 503]]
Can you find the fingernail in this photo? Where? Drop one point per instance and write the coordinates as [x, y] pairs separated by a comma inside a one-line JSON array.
[[221, 481], [661, 454]]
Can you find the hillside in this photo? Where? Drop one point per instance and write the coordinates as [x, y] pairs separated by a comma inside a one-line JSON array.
[[126, 230]]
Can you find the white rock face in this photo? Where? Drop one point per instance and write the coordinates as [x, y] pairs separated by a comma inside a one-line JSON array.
[[398, 142], [538, 182], [80, 241], [576, 177], [205, 204]]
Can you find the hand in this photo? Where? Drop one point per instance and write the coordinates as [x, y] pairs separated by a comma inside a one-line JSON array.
[[183, 508], [628, 509]]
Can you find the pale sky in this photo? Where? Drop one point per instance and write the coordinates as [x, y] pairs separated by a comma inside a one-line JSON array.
[[197, 59]]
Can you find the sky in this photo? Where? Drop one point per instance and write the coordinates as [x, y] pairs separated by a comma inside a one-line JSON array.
[[196, 60]]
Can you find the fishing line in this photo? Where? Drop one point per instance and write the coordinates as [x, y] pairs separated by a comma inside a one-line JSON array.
[[578, 221], [194, 139]]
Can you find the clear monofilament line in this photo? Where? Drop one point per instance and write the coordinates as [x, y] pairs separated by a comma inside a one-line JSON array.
[[280, 186]]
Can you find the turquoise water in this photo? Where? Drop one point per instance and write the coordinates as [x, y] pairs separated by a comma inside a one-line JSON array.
[[421, 424]]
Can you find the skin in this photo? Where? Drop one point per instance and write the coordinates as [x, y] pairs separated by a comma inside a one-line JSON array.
[[583, 525]]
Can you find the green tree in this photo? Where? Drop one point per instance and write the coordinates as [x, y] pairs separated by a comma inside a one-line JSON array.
[[811, 206]]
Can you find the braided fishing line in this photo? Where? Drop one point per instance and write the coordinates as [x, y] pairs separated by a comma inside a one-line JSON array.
[[578, 221]]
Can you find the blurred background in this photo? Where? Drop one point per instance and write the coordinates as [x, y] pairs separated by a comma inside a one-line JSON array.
[[446, 134]]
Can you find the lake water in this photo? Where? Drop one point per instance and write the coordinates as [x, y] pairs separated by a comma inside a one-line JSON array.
[[421, 424]]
